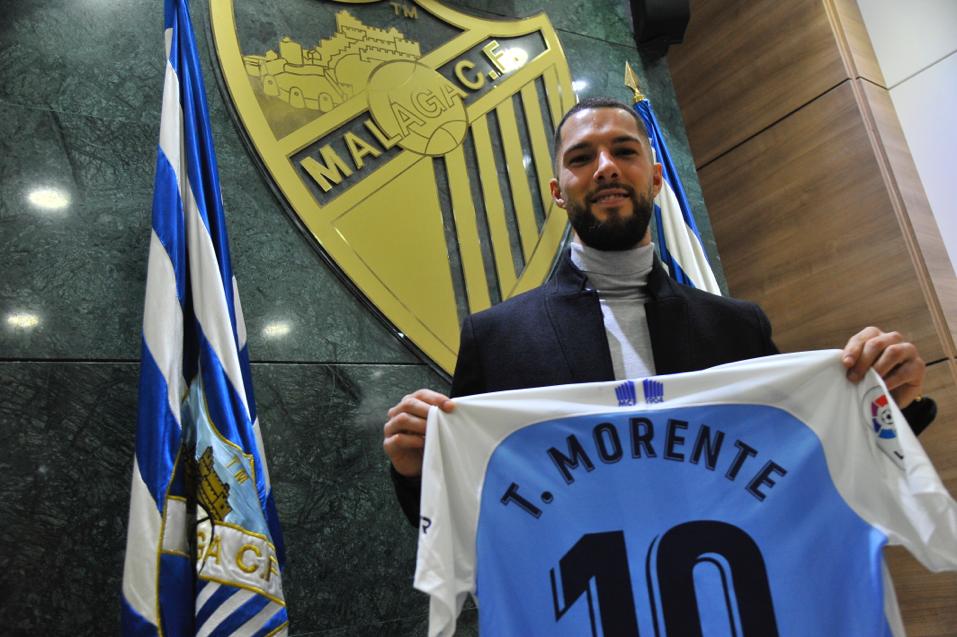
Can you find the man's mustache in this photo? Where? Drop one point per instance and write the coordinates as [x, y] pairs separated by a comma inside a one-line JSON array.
[[629, 191]]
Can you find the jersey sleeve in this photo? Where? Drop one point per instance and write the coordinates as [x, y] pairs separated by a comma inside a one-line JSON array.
[[445, 563], [907, 501]]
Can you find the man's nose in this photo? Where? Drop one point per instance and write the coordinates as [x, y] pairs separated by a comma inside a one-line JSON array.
[[607, 168]]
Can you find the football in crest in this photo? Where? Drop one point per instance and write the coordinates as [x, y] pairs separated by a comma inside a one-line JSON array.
[[417, 104]]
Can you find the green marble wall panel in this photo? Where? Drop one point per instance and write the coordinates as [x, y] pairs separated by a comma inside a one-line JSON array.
[[66, 462], [68, 432], [81, 270], [102, 59], [607, 20], [78, 269]]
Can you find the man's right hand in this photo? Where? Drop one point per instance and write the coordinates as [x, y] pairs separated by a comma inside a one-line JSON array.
[[405, 430]]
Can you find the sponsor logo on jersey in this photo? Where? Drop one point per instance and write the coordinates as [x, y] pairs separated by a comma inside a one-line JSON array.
[[626, 394], [412, 143], [654, 391]]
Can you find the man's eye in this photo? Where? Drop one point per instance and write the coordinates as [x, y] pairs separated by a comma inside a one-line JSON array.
[[627, 151], [578, 160]]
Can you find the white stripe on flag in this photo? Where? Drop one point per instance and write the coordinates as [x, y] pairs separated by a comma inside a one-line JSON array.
[[209, 298], [224, 611], [241, 336], [240, 319], [139, 566], [262, 455], [257, 621], [205, 594], [174, 531], [171, 126], [683, 244], [168, 41], [163, 322]]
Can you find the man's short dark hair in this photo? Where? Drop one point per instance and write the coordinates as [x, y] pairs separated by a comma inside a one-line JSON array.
[[597, 102]]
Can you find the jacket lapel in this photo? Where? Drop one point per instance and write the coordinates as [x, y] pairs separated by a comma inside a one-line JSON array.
[[575, 315], [581, 335], [668, 324]]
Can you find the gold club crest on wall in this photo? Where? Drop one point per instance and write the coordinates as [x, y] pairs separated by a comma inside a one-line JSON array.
[[413, 143]]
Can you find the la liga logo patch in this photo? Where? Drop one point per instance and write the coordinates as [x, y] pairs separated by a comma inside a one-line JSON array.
[[882, 419], [879, 416]]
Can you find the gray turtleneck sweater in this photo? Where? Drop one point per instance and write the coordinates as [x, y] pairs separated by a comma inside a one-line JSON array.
[[621, 280]]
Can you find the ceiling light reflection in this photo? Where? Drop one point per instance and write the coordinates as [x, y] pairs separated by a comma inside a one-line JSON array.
[[23, 320], [579, 85], [49, 198], [276, 329], [513, 58]]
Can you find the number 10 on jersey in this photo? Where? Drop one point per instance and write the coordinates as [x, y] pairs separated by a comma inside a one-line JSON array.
[[597, 567]]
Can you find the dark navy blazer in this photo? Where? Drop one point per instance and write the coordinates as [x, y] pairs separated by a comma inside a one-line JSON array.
[[554, 334]]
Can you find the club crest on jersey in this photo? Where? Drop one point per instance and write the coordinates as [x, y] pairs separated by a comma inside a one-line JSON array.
[[412, 144], [654, 391], [879, 416]]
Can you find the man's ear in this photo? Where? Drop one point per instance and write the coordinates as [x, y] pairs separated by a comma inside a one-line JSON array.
[[657, 180], [557, 196]]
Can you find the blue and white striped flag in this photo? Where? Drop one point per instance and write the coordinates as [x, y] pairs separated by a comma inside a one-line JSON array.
[[679, 241], [204, 548]]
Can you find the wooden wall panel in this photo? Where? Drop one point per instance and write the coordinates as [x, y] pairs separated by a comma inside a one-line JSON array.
[[926, 599], [805, 226], [746, 64], [853, 41], [818, 212], [918, 226]]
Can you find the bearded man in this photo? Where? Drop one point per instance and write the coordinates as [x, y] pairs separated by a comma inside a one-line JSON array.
[[610, 311]]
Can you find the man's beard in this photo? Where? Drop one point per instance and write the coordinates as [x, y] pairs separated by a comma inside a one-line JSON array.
[[615, 233]]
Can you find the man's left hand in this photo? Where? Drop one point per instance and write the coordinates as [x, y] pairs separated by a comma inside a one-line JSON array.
[[896, 360]]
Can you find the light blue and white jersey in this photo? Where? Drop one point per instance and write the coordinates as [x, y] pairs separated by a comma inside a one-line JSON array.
[[750, 499]]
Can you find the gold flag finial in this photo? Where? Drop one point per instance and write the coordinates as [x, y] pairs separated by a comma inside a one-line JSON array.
[[631, 81]]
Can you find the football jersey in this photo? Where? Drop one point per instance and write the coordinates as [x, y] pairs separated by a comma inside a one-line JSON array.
[[749, 499]]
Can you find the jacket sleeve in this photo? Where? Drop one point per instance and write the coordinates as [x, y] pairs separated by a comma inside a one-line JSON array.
[[764, 325], [920, 414], [469, 377], [408, 492]]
